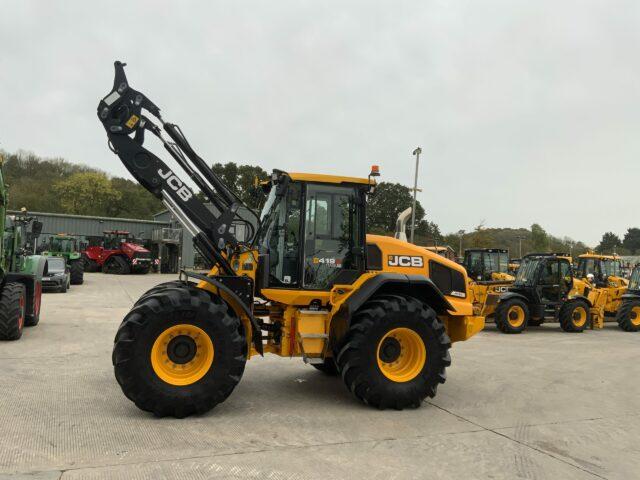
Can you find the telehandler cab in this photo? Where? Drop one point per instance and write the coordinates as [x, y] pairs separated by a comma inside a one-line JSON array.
[[487, 264], [309, 283], [487, 269]]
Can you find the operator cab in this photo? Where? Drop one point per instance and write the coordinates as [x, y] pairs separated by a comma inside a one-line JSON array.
[[62, 243], [114, 238], [312, 230], [480, 263], [545, 279], [601, 267]]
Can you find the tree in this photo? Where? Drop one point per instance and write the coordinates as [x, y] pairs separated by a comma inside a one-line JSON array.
[[609, 243], [481, 237], [241, 180], [539, 238], [134, 202], [87, 193], [631, 240], [389, 200]]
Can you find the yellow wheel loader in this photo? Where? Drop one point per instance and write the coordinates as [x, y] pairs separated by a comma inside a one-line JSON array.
[[303, 280]]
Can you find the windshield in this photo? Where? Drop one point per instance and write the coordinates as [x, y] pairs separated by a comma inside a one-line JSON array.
[[279, 235], [527, 271], [634, 281], [55, 264], [611, 268]]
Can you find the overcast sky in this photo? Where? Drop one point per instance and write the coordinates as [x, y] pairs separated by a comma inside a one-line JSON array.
[[526, 111]]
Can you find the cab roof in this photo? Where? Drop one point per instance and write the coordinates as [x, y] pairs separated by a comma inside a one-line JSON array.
[[598, 256], [487, 250], [321, 178]]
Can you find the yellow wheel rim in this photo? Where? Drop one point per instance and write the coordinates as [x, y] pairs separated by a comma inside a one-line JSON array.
[[579, 316], [515, 316], [182, 354], [401, 355], [634, 317]]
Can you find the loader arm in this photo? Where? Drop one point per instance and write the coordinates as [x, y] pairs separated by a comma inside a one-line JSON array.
[[122, 113]]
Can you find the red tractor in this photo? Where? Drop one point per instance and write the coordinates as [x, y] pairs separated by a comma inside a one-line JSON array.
[[118, 254]]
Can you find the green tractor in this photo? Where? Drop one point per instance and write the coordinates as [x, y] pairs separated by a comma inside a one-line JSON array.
[[66, 246], [20, 272]]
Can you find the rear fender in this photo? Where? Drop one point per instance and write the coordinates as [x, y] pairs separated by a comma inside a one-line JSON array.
[[511, 295], [416, 286], [581, 297]]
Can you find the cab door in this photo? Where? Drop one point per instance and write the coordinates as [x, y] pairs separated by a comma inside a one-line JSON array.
[[333, 235], [550, 288]]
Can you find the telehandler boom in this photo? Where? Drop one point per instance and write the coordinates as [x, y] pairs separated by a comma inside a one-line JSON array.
[[307, 282]]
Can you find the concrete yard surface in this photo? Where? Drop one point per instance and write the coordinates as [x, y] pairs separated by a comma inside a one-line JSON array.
[[541, 405]]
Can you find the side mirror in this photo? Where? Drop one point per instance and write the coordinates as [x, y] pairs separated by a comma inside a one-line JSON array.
[[36, 228]]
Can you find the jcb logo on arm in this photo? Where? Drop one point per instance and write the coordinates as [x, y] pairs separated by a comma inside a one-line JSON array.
[[405, 261], [176, 184]]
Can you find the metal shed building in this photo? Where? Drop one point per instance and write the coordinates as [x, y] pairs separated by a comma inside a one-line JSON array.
[[158, 235]]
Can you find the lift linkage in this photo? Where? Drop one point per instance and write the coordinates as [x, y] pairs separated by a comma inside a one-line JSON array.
[[121, 114]]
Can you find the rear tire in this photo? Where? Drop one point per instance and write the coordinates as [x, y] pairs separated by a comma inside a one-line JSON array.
[[628, 316], [512, 316], [328, 366], [13, 301], [574, 316], [143, 362], [116, 265], [395, 353], [77, 272]]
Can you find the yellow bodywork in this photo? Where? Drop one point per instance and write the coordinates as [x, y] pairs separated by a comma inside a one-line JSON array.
[[485, 295], [305, 332]]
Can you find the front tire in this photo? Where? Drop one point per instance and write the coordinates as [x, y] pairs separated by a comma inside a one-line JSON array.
[[13, 301], [628, 316], [395, 353], [512, 316], [574, 316], [179, 352]]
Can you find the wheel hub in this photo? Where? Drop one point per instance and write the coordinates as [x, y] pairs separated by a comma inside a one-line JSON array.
[[390, 350], [181, 349], [182, 354]]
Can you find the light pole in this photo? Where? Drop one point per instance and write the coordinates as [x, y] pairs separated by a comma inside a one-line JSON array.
[[520, 245], [460, 234], [417, 153]]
